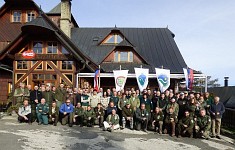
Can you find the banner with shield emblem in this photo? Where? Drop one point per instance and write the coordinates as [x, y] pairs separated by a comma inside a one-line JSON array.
[[163, 78], [120, 77], [142, 76]]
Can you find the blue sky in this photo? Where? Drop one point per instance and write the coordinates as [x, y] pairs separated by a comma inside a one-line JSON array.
[[204, 29]]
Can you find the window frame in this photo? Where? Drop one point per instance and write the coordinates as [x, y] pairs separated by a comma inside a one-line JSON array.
[[115, 35], [30, 12], [57, 45], [118, 53], [67, 65], [36, 47], [13, 17], [22, 64]]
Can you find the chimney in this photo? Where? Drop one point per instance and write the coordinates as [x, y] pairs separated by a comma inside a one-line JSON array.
[[65, 19], [226, 81]]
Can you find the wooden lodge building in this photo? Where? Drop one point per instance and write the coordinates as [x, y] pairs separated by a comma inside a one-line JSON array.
[[49, 48]]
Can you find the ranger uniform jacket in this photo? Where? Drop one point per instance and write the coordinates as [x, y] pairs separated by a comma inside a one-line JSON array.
[[204, 122], [158, 116], [171, 116], [127, 112], [187, 121], [43, 107]]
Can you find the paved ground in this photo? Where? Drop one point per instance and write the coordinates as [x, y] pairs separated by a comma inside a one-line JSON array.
[[15, 136]]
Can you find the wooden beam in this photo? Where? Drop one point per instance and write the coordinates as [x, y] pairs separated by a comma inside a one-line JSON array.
[[59, 72], [30, 71]]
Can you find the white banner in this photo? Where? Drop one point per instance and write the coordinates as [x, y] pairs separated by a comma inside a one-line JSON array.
[[142, 76], [186, 77], [163, 78], [120, 77]]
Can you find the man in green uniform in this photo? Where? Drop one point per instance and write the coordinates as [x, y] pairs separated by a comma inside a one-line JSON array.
[[112, 121], [85, 100], [114, 98], [21, 94], [42, 111], [134, 101], [185, 126], [60, 95], [127, 116], [157, 120], [78, 115], [170, 122], [53, 113], [48, 95], [99, 111], [203, 125], [89, 116], [142, 117]]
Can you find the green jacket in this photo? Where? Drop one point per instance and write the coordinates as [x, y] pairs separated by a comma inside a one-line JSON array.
[[169, 116], [19, 91], [60, 94], [90, 113], [204, 123], [56, 111], [99, 112], [187, 121], [191, 108], [79, 111], [113, 119], [122, 103], [127, 112], [49, 96], [175, 107], [135, 103], [44, 108], [158, 116]]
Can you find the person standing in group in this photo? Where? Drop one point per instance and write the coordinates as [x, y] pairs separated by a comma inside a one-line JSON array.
[[128, 116], [42, 111], [85, 99], [48, 95], [35, 98], [105, 100], [148, 103], [95, 99], [114, 98], [60, 95], [89, 116], [78, 117], [21, 94], [203, 125], [162, 103], [185, 126], [216, 110], [170, 122], [134, 101], [157, 120], [99, 111]]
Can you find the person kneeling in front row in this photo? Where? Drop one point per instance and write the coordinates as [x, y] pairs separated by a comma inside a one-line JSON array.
[[66, 109], [24, 113], [53, 113], [112, 122], [42, 111]]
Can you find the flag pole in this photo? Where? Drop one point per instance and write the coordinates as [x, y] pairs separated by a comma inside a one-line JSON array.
[[99, 78]]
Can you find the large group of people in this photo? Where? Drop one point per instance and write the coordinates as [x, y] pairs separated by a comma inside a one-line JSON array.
[[187, 114]]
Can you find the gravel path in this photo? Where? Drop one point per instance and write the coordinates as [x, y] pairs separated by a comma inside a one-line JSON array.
[[34, 137]]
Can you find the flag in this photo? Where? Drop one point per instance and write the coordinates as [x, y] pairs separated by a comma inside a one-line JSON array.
[[189, 77], [96, 80], [120, 77], [163, 78], [142, 78]]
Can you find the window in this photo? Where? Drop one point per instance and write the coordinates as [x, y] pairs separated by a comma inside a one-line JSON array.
[[37, 47], [67, 65], [49, 67], [22, 65], [16, 16], [30, 16], [113, 39], [52, 48], [70, 77], [39, 67], [44, 77], [123, 56]]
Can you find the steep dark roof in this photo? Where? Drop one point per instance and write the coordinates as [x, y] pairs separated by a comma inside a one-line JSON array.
[[39, 22], [155, 45], [226, 94], [56, 9], [125, 43]]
